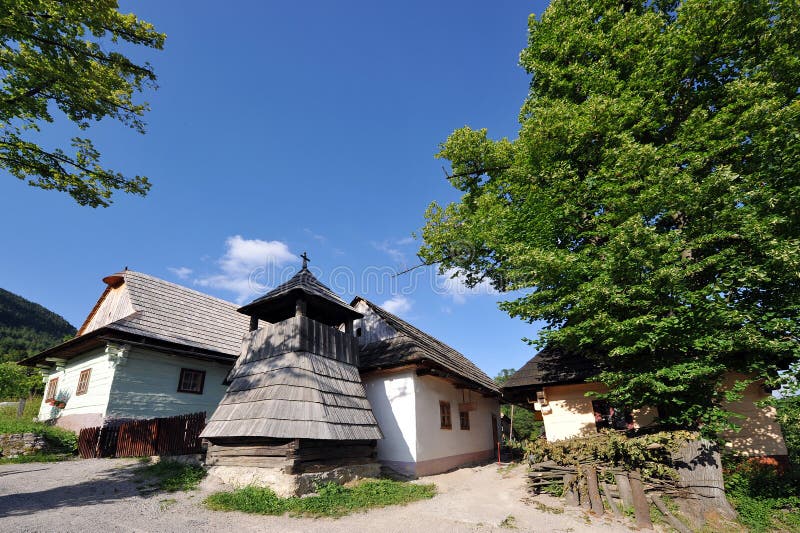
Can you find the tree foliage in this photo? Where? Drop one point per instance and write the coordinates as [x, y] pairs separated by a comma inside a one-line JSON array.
[[27, 328], [649, 208], [17, 381], [65, 56], [525, 426]]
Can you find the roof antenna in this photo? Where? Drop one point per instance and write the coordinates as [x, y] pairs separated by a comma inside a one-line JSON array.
[[305, 260]]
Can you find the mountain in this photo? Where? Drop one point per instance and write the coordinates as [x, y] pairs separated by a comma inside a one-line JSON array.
[[27, 328]]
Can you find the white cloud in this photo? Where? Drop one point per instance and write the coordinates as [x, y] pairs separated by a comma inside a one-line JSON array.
[[244, 260], [181, 272], [315, 236], [389, 249], [452, 285], [397, 305], [405, 241]]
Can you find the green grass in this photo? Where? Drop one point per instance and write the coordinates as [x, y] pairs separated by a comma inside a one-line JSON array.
[[330, 500], [172, 476], [61, 443]]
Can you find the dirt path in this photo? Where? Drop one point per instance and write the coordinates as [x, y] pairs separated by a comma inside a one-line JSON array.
[[103, 495]]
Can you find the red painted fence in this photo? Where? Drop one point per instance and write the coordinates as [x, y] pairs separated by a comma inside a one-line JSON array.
[[176, 435]]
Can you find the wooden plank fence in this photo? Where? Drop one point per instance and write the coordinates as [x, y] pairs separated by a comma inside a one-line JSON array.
[[175, 435]]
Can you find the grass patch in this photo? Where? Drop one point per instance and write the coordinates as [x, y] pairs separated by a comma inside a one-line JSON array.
[[61, 443], [172, 476], [331, 499], [509, 522]]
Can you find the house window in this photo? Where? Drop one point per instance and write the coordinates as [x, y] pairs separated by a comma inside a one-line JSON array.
[[83, 382], [608, 417], [444, 415], [464, 418], [191, 381], [52, 386]]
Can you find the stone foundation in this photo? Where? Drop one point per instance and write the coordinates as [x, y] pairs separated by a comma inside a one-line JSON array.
[[287, 485], [16, 444]]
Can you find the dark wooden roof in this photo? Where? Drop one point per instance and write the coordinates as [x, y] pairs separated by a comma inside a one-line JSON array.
[[323, 304], [552, 366], [285, 386], [411, 345]]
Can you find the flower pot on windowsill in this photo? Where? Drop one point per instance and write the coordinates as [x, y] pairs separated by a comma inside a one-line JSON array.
[[60, 405], [50, 401]]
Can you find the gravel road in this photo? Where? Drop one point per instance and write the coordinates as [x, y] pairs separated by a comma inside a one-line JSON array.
[[103, 495]]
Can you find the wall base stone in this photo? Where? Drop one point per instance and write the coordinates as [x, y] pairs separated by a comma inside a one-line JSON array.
[[287, 485]]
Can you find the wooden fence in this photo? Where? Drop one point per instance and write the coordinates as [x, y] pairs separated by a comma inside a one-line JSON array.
[[176, 435]]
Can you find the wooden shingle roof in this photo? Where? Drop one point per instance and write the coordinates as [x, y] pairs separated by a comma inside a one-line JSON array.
[[279, 303], [173, 313], [553, 366], [409, 344], [286, 386]]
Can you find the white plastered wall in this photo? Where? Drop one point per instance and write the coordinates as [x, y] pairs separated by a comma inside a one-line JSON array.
[[760, 433], [392, 398], [433, 442]]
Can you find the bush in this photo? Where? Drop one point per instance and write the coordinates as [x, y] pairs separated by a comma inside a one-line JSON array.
[[765, 495], [330, 500]]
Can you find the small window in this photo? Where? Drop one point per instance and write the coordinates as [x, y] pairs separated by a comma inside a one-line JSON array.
[[464, 418], [83, 382], [52, 387], [191, 381], [444, 415]]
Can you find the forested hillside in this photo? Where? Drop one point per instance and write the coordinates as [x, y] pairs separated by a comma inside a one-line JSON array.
[[27, 328]]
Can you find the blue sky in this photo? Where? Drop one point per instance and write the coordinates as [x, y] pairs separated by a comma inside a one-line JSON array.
[[287, 127]]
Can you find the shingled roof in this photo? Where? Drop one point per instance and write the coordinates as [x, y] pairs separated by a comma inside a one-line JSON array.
[[407, 344], [279, 303], [153, 309], [553, 366]]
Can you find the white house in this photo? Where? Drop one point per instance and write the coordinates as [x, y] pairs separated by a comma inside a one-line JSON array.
[[149, 348], [437, 410]]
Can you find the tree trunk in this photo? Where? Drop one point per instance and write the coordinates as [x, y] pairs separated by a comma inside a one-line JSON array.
[[699, 467]]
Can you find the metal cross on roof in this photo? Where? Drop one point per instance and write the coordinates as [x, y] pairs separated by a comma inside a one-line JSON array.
[[305, 259]]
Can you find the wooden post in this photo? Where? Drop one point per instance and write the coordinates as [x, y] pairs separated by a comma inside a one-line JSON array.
[[610, 500], [640, 506], [570, 494], [624, 488], [673, 521], [595, 502], [583, 491], [511, 427], [21, 407]]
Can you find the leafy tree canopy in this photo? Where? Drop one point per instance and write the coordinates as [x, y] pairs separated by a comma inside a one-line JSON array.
[[650, 206], [64, 55]]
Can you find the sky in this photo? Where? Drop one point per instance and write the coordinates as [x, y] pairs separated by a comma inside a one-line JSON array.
[[283, 128]]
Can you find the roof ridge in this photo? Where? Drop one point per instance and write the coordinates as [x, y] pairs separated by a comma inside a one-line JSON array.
[[182, 287]]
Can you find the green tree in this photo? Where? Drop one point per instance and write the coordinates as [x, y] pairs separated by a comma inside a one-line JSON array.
[[64, 55], [17, 381], [650, 206]]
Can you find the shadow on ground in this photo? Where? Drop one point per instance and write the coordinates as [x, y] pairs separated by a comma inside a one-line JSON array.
[[109, 486]]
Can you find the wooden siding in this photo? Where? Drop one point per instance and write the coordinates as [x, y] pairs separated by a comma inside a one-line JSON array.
[[291, 455], [146, 386], [95, 400], [114, 304], [300, 334]]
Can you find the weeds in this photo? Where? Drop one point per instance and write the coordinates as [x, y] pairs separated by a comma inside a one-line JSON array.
[[509, 522], [331, 499], [172, 476]]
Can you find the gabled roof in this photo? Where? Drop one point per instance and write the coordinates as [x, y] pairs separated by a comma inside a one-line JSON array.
[[280, 301], [412, 345], [553, 366], [158, 310]]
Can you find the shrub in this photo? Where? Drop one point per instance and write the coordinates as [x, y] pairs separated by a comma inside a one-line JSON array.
[[766, 496]]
